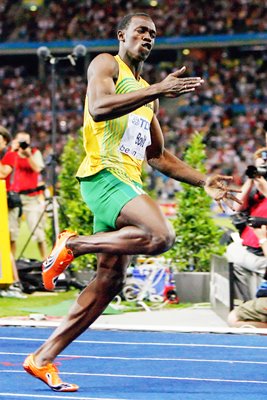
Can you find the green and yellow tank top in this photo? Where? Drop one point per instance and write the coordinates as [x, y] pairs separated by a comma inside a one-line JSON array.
[[118, 144]]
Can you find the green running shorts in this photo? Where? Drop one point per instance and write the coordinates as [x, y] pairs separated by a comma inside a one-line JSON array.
[[105, 193]]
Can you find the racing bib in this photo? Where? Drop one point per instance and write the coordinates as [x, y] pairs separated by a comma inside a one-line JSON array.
[[136, 137]]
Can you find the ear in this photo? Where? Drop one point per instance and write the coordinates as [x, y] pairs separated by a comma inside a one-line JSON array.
[[121, 35]]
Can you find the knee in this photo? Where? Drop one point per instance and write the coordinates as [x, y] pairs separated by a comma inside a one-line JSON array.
[[232, 319], [162, 241]]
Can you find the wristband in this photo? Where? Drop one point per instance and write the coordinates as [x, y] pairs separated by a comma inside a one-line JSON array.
[[261, 241]]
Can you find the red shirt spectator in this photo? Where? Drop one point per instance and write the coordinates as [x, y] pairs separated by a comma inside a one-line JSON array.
[[23, 177], [259, 209], [21, 167]]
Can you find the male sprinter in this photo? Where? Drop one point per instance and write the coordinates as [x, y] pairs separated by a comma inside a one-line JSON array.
[[120, 130]]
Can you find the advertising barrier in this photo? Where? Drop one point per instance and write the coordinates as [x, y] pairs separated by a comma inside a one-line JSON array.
[[6, 276]]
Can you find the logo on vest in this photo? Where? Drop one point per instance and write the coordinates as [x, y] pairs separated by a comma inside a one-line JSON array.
[[136, 137]]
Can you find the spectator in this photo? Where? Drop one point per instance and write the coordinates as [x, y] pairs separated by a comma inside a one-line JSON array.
[[234, 125], [22, 165], [70, 19], [14, 290], [253, 312], [247, 255], [230, 109]]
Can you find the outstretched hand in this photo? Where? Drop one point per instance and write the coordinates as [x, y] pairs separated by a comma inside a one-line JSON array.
[[216, 188], [174, 85]]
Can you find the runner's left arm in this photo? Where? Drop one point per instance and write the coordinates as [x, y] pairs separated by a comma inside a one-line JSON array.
[[164, 161]]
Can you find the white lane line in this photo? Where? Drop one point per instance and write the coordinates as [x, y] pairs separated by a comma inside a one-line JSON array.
[[106, 325], [173, 378], [203, 360], [38, 396], [145, 343]]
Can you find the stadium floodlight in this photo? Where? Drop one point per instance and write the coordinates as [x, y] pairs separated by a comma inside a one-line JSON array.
[[78, 52], [45, 55]]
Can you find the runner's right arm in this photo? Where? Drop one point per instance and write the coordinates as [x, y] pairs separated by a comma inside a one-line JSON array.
[[105, 104]]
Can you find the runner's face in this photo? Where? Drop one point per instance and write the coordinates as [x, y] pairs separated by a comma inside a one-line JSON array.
[[139, 38]]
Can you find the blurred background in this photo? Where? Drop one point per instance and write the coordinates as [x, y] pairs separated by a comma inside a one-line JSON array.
[[223, 41]]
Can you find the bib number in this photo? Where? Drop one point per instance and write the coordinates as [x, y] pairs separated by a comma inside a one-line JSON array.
[[136, 137]]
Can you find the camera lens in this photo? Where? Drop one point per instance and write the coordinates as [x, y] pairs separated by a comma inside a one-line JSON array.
[[251, 171], [23, 145]]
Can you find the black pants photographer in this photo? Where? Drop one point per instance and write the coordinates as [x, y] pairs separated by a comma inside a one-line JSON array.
[[253, 313], [245, 252]]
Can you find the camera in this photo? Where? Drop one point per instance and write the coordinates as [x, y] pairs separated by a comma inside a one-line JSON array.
[[242, 219], [252, 171], [257, 222], [23, 145]]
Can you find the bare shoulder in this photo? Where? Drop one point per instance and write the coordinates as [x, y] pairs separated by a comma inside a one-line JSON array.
[[104, 64]]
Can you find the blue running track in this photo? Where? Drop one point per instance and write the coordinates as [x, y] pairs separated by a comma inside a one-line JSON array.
[[126, 365]]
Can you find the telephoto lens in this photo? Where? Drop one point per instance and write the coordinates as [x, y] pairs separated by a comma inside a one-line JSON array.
[[254, 172], [23, 145]]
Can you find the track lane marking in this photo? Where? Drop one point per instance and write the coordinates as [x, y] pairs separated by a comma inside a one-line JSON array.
[[173, 378], [145, 343], [73, 356], [38, 396]]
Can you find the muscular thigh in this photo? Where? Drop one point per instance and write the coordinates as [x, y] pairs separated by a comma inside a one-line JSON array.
[[106, 194], [143, 212], [118, 202]]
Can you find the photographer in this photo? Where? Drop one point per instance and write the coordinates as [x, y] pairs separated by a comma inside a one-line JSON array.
[[246, 254], [21, 167], [253, 313]]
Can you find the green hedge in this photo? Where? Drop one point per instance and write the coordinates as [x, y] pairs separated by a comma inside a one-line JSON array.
[[197, 235], [72, 205]]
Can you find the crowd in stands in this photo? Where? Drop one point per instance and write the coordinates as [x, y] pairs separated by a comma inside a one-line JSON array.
[[26, 106], [230, 108], [88, 19]]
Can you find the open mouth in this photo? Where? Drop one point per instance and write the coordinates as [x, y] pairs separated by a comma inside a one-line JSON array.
[[147, 46]]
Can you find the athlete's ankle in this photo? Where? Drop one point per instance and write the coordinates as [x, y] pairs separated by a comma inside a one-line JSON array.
[[40, 361], [78, 245], [69, 243]]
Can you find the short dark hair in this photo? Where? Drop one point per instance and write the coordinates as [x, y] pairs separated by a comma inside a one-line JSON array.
[[6, 135], [125, 22]]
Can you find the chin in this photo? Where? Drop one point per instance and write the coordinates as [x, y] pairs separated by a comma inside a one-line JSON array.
[[139, 56], [142, 56]]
